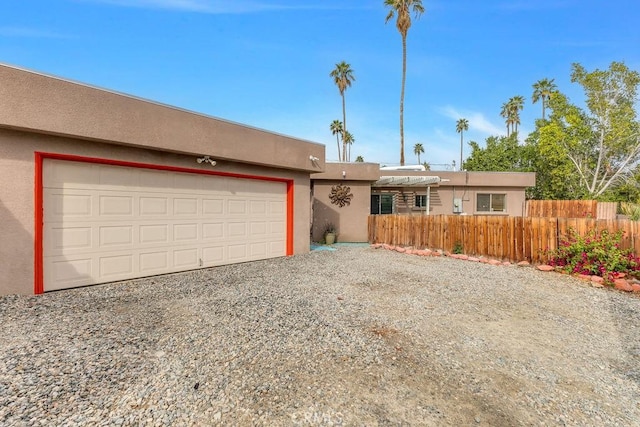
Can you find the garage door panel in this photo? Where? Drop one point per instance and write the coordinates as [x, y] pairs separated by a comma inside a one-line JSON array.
[[154, 262], [277, 208], [237, 230], [213, 207], [65, 270], [185, 206], [186, 258], [258, 250], [258, 188], [213, 255], [189, 183], [154, 206], [117, 178], [258, 207], [258, 229], [276, 248], [277, 228], [140, 223], [237, 207], [115, 205], [213, 230], [115, 265], [72, 238], [237, 252], [154, 234], [185, 232], [69, 204], [153, 181], [119, 235], [69, 174]]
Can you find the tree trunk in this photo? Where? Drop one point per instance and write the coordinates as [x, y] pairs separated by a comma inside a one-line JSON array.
[[461, 133], [344, 129], [404, 77], [338, 142]]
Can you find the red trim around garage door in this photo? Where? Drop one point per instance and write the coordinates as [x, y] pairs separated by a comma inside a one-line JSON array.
[[38, 200]]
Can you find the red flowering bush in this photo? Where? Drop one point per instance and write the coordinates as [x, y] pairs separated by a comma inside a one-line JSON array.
[[596, 254]]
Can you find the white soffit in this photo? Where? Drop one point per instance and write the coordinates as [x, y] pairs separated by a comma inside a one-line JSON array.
[[406, 181]]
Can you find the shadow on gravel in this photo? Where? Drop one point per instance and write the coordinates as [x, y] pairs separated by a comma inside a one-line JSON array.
[[626, 317]]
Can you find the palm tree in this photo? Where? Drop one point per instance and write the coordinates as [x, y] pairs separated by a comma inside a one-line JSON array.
[[511, 112], [462, 125], [417, 149], [343, 77], [542, 90], [505, 113], [517, 104], [336, 129], [359, 159], [348, 139], [403, 9]]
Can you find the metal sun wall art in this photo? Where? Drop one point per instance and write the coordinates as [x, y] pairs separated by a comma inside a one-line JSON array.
[[340, 195]]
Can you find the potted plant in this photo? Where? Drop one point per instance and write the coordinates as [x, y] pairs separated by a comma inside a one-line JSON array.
[[330, 234]]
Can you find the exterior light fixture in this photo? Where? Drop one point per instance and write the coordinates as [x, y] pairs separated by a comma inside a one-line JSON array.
[[206, 159]]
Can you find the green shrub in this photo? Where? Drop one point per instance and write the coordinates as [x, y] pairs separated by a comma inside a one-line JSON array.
[[632, 210], [596, 254]]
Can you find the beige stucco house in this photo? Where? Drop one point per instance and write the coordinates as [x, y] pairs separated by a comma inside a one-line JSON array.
[[98, 186], [375, 191]]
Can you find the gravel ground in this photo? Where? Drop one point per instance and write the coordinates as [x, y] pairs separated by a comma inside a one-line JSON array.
[[357, 336]]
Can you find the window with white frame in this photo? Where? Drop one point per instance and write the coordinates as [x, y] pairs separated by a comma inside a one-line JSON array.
[[491, 203], [421, 201]]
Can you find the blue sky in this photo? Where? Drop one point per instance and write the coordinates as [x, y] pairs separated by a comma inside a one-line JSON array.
[[266, 63]]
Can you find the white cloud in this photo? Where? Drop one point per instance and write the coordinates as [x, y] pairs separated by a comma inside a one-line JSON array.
[[477, 120]]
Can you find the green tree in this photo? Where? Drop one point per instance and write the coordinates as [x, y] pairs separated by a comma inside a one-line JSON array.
[[417, 150], [336, 129], [603, 142], [427, 166], [462, 125], [402, 9], [343, 77], [555, 175], [500, 154], [348, 140], [542, 91], [359, 159]]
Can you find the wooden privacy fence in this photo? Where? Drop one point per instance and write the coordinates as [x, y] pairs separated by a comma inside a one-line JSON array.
[[571, 209], [508, 238]]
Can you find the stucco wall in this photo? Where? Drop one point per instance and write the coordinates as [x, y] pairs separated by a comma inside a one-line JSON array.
[[36, 102], [441, 200], [465, 185], [351, 220], [17, 194]]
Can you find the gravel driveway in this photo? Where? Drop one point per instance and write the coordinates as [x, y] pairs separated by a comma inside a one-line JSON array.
[[357, 336]]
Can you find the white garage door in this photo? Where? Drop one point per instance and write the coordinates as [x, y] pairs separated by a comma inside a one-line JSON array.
[[104, 223]]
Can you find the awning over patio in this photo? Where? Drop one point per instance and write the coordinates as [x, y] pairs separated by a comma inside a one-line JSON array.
[[406, 181]]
